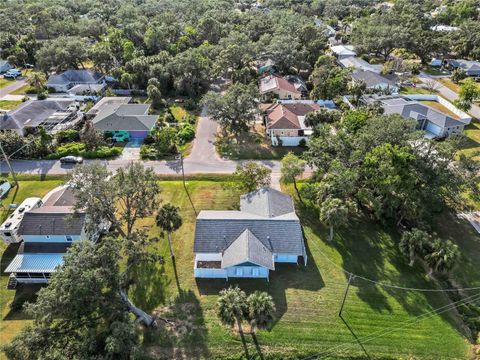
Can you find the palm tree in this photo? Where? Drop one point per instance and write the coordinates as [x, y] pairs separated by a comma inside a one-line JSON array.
[[260, 310], [334, 212], [169, 220], [443, 256], [37, 80], [413, 243], [232, 307]]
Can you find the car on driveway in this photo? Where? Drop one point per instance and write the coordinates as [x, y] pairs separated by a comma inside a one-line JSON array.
[[71, 159], [12, 74]]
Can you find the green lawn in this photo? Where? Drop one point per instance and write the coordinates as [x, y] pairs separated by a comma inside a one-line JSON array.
[[307, 299], [410, 90], [5, 82], [9, 104], [22, 90], [472, 143], [252, 145]]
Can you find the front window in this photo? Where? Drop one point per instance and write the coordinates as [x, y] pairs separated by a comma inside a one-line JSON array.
[[69, 238]]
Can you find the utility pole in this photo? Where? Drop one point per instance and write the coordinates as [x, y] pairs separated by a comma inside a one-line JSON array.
[[185, 184], [8, 164], [350, 278]]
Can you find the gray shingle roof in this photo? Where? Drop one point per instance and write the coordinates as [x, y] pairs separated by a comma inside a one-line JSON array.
[[75, 76], [51, 223], [418, 111], [247, 248], [128, 117], [33, 113], [372, 79], [267, 202]]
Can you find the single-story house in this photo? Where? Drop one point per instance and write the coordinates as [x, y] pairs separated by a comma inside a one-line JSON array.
[[359, 64], [276, 86], [375, 81], [105, 102], [49, 113], [343, 51], [472, 68], [132, 118], [46, 232], [285, 122], [5, 66], [329, 31], [250, 242], [434, 122], [68, 79]]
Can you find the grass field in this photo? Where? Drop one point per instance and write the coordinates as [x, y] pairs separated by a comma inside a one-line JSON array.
[[5, 82], [252, 145], [447, 82], [9, 104], [307, 298], [440, 107], [472, 143], [22, 90]]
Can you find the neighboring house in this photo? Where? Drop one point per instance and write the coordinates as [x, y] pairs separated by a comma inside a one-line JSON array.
[[51, 114], [375, 81], [285, 122], [343, 51], [87, 89], [9, 228], [435, 122], [45, 233], [250, 242], [276, 86], [132, 118], [472, 68], [299, 84], [5, 66], [359, 64], [105, 102], [70, 78], [329, 31]]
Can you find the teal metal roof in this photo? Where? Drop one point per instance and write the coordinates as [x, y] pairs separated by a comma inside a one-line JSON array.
[[23, 263]]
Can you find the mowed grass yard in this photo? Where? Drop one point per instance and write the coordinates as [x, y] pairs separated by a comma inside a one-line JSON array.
[[307, 298]]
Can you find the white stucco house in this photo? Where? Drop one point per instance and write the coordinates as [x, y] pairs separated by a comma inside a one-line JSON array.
[[250, 242], [45, 231]]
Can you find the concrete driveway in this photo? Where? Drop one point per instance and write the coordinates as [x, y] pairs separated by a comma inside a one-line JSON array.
[[131, 151]]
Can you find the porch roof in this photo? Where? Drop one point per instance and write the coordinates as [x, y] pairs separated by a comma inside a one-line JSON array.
[[35, 263]]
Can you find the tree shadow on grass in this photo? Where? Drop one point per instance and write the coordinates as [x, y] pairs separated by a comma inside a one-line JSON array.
[[185, 337], [23, 293], [148, 290]]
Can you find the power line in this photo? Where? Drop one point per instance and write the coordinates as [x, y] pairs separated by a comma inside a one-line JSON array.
[[378, 334], [349, 273]]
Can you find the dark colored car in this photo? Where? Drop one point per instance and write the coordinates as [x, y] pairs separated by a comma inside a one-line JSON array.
[[71, 160]]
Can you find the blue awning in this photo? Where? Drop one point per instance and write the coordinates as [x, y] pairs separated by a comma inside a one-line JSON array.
[[24, 263]]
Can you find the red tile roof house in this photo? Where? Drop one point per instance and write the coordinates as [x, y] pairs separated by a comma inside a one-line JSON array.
[[286, 122], [277, 87]]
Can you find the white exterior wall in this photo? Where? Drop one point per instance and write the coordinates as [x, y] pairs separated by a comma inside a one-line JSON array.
[[49, 238]]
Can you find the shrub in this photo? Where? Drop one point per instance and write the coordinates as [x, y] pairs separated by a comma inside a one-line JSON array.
[[168, 117], [302, 143], [186, 133], [190, 105], [149, 140], [69, 135], [78, 149], [42, 95], [191, 119]]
